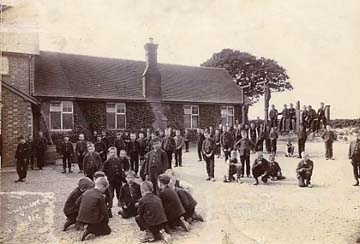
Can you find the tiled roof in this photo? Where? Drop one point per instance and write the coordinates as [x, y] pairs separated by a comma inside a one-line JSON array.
[[78, 76]]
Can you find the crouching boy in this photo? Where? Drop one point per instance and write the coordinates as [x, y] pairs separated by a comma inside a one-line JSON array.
[[260, 168], [71, 210], [174, 209], [304, 170], [130, 194], [151, 216], [233, 167], [93, 210], [274, 170]]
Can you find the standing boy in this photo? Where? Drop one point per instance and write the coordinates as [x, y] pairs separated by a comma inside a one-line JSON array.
[[21, 153], [81, 150], [119, 143], [354, 156], [273, 140], [133, 153], [329, 137], [93, 210], [186, 140], [217, 137], [125, 164], [168, 145], [156, 162], [41, 146], [244, 146], [151, 216], [31, 153], [227, 142], [253, 135], [302, 136], [92, 162], [273, 115], [179, 142], [321, 116], [208, 150], [114, 173], [142, 147], [100, 148], [67, 151], [200, 139], [304, 170]]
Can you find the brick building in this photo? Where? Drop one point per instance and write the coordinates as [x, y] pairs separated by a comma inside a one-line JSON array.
[[60, 93]]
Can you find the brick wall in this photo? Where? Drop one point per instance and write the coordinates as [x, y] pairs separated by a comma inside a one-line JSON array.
[[16, 121]]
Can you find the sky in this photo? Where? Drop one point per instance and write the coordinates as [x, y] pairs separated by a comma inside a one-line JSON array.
[[316, 41]]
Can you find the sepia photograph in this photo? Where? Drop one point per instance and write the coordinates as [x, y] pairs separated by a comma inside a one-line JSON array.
[[184, 122]]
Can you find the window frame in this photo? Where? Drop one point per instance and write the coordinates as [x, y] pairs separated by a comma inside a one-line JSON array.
[[61, 115], [192, 115], [116, 113], [227, 114]]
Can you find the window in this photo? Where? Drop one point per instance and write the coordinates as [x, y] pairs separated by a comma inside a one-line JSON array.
[[227, 115], [61, 115], [116, 116], [191, 116]]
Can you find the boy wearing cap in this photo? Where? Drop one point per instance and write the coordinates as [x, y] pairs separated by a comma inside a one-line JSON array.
[[260, 168], [304, 170], [151, 216], [174, 209], [156, 163], [81, 150], [71, 210], [129, 195], [208, 150], [92, 210], [92, 161], [67, 151], [114, 173], [21, 153]]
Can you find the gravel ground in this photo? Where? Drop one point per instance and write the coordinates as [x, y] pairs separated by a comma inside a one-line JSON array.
[[279, 212]]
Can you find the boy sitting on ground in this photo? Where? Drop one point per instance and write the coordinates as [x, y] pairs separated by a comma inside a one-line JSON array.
[[71, 210], [304, 170], [289, 149], [93, 210], [151, 216], [107, 194], [174, 210], [260, 168], [233, 167], [130, 194], [275, 170], [179, 183]]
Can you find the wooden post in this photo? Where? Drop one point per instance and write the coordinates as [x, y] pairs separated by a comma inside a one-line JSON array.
[[267, 96], [327, 114], [297, 116]]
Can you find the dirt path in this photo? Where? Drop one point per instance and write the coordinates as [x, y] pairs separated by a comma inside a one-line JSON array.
[[279, 212]]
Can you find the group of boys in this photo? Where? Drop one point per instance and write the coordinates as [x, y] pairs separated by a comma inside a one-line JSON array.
[[157, 206], [309, 118]]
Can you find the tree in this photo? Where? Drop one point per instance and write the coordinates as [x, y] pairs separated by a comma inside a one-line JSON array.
[[246, 69]]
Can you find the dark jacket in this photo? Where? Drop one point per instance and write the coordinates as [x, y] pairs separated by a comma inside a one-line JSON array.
[[244, 146], [168, 144], [172, 204], [32, 148], [100, 147], [22, 151], [329, 136], [151, 210], [125, 165], [133, 148], [302, 135], [274, 169], [92, 163], [129, 195], [199, 139], [208, 147], [66, 149], [260, 167], [142, 146], [227, 140], [273, 114], [157, 159], [186, 199], [354, 151], [81, 148], [40, 145], [70, 207], [92, 208], [113, 169], [120, 145]]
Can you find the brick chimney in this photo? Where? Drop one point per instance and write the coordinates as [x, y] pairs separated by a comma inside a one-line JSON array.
[[151, 76]]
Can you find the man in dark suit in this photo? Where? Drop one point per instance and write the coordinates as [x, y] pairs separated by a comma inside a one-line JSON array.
[[151, 215], [304, 170], [174, 210], [354, 156], [273, 115], [21, 153], [81, 150], [41, 146], [67, 151], [168, 145], [208, 150], [92, 210], [156, 162], [129, 196], [71, 210], [329, 137]]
